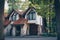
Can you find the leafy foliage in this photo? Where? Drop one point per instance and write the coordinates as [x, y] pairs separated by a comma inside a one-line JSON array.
[[45, 8], [18, 4]]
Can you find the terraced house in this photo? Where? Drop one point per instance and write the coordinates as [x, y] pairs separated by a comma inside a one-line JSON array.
[[21, 23]]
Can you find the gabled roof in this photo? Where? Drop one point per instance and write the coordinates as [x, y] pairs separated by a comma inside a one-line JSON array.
[[17, 11], [20, 21], [10, 13], [20, 12], [30, 8]]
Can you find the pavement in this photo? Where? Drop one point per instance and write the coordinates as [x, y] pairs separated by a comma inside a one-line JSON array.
[[30, 38]]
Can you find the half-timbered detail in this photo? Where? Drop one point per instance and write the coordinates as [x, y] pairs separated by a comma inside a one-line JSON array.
[[22, 23]]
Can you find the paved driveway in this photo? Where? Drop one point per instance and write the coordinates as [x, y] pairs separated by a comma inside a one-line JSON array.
[[41, 38]]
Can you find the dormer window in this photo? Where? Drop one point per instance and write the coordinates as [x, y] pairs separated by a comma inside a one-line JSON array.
[[31, 15], [14, 17]]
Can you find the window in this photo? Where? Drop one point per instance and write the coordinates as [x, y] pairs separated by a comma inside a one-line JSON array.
[[31, 15], [14, 17]]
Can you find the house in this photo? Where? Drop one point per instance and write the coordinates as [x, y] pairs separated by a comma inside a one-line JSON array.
[[24, 23], [34, 21], [15, 27]]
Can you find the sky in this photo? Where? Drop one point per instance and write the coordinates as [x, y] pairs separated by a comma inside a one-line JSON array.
[[6, 5], [23, 0]]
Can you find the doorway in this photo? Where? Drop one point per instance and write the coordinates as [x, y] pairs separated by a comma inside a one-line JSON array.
[[33, 29], [18, 30]]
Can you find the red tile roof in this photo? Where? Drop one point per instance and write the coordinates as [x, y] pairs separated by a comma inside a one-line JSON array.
[[20, 21], [6, 22]]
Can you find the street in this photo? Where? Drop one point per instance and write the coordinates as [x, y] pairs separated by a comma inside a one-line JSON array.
[[41, 38]]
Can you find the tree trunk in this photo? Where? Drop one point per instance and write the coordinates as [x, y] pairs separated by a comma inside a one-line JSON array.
[[57, 9], [1, 19], [44, 25]]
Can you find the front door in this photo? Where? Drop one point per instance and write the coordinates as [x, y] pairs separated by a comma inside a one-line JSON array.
[[33, 29], [18, 30]]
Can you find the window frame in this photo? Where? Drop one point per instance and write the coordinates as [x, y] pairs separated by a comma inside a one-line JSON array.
[[31, 15]]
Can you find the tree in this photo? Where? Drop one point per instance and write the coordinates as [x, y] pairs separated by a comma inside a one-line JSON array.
[[18, 4], [45, 8], [57, 10], [1, 19]]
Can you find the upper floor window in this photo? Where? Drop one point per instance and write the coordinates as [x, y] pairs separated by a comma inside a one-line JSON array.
[[31, 15], [14, 17]]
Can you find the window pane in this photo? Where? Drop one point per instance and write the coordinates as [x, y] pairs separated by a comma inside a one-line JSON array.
[[14, 18], [30, 16], [34, 15]]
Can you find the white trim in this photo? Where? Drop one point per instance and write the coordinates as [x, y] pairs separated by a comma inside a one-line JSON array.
[[17, 16], [32, 21], [11, 15], [27, 13]]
